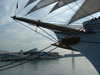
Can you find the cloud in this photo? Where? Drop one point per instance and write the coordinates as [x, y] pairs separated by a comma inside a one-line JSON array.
[[15, 37]]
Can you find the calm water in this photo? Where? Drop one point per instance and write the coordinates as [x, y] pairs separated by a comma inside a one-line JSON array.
[[61, 66]]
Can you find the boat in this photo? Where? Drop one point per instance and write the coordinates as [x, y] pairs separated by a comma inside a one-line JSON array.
[[86, 39]]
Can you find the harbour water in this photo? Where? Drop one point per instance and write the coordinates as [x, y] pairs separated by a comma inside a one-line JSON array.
[[60, 66]]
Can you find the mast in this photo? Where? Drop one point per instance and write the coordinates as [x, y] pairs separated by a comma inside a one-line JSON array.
[[46, 25]]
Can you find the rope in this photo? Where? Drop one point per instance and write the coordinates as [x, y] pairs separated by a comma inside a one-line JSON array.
[[35, 31], [48, 33], [24, 58], [77, 33], [26, 61], [90, 42], [36, 53]]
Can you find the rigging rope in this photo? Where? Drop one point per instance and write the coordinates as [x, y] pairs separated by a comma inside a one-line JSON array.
[[27, 61], [27, 56], [24, 58], [34, 58], [35, 31], [48, 34], [77, 33], [39, 51], [40, 55], [90, 42]]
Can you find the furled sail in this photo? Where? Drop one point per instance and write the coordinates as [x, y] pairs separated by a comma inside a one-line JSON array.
[[89, 7], [44, 3], [29, 2]]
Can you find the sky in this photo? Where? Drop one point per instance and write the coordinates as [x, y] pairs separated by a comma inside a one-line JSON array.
[[15, 37]]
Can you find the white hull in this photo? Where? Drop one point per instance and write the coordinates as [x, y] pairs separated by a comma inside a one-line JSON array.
[[89, 46]]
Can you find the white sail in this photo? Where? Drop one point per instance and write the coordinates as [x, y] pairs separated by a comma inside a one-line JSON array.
[[62, 3], [44, 3], [89, 7], [29, 2], [86, 41]]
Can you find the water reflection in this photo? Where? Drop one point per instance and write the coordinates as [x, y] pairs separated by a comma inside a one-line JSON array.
[[62, 66], [73, 63]]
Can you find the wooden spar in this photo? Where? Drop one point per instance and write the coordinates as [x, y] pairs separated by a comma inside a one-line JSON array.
[[46, 25]]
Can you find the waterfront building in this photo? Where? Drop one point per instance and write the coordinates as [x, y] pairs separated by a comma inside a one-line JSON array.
[[33, 53]]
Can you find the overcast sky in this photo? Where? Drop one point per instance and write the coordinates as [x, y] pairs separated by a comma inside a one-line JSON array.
[[15, 37]]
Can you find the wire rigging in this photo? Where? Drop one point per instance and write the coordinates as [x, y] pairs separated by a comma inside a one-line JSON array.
[[35, 31], [48, 34], [90, 42], [29, 55], [74, 34], [81, 29]]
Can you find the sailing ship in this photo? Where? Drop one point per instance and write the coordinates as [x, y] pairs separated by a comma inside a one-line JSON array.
[[85, 40]]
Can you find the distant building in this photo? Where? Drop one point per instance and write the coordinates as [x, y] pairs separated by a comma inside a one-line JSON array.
[[21, 52], [73, 55], [4, 55], [32, 51], [33, 54]]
